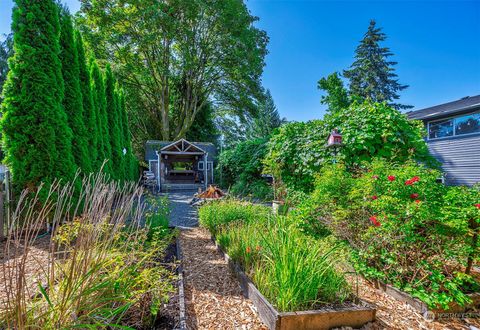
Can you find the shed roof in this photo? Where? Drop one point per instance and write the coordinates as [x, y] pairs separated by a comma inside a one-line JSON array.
[[156, 145], [465, 104]]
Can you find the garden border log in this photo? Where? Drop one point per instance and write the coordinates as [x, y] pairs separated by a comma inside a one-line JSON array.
[[327, 318]]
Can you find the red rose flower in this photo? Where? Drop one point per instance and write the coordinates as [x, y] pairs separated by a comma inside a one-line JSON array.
[[248, 249], [374, 197], [414, 196], [391, 178], [374, 221], [415, 179], [408, 182], [418, 201], [477, 206]]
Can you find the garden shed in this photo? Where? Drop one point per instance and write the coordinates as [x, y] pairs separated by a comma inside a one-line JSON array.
[[181, 164]]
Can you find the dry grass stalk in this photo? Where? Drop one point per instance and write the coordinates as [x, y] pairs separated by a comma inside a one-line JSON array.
[[73, 285]]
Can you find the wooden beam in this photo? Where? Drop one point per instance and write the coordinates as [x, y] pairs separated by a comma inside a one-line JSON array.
[[182, 152]]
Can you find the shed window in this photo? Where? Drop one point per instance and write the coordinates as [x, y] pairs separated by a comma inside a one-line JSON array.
[[440, 129], [467, 124]]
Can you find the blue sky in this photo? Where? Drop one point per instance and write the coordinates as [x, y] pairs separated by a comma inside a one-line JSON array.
[[437, 45]]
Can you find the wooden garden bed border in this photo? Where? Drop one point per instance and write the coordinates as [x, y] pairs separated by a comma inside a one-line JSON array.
[[329, 318], [181, 288], [419, 305]]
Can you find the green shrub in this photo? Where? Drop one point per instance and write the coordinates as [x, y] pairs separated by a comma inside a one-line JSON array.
[[405, 228], [297, 151], [293, 271], [241, 167]]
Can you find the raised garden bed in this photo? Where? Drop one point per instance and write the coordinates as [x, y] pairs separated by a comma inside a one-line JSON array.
[[355, 315], [420, 306]]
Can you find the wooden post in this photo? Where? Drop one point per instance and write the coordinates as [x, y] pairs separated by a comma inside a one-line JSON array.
[[205, 159], [8, 196]]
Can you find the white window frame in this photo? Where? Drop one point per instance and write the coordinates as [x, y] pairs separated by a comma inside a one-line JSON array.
[[454, 126], [201, 168]]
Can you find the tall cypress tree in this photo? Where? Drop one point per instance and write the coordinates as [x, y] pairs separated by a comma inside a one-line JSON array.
[[89, 117], [372, 76], [114, 124], [131, 166], [123, 159], [72, 100], [36, 136], [100, 103]]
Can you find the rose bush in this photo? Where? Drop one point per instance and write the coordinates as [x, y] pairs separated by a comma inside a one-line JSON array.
[[404, 228]]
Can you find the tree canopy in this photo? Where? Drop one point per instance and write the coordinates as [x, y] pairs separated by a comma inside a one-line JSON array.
[[174, 56]]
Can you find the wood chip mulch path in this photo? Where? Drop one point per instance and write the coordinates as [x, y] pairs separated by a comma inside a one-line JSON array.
[[213, 296]]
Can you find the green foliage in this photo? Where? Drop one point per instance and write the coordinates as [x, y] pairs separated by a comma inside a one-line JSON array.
[[241, 167], [6, 51], [266, 120], [100, 106], [113, 125], [89, 113], [36, 136], [387, 212], [297, 151], [292, 271], [203, 50], [337, 97], [372, 75], [73, 100]]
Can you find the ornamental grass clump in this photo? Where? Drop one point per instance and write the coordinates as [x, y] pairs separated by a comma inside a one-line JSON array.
[[290, 269], [102, 269]]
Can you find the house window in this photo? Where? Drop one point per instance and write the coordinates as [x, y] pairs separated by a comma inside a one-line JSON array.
[[201, 166], [467, 124], [461, 125], [440, 129]]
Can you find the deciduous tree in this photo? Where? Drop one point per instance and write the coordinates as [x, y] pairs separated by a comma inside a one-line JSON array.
[[174, 56]]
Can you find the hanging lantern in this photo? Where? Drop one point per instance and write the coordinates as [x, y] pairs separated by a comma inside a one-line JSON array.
[[334, 139]]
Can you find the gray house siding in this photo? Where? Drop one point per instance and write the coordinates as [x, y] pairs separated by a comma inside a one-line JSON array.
[[459, 154], [460, 158]]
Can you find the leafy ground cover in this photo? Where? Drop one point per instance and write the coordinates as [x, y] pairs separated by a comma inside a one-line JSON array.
[[292, 271], [103, 268]]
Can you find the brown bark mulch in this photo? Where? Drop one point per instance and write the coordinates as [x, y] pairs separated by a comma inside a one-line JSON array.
[[213, 296]]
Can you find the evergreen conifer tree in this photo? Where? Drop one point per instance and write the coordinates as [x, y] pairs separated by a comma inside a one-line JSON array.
[[131, 169], [123, 159], [372, 76], [36, 137], [100, 104], [89, 118], [114, 124], [72, 100]]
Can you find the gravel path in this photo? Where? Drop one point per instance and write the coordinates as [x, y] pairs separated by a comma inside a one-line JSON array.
[[213, 295], [182, 213]]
